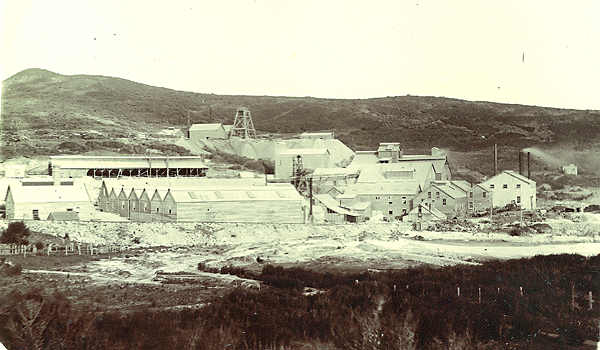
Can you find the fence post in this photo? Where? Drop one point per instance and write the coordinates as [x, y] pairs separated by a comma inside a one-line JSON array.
[[79, 248], [572, 296], [479, 294], [591, 300], [521, 290], [457, 291]]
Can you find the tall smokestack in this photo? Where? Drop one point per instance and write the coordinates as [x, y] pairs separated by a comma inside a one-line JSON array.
[[495, 159], [528, 164], [520, 163]]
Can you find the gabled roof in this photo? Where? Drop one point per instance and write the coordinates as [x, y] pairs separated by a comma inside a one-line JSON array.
[[513, 174], [124, 193], [48, 194], [223, 194], [481, 186], [206, 127], [64, 216], [425, 210], [161, 194], [135, 193], [449, 190], [519, 176], [334, 205], [144, 195], [462, 184]]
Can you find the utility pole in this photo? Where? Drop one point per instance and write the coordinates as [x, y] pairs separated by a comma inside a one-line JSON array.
[[495, 159], [491, 206], [310, 197]]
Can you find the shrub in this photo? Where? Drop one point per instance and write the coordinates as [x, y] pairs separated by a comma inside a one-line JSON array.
[[16, 233], [39, 245]]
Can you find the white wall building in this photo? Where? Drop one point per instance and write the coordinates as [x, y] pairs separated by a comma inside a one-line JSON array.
[[509, 187], [208, 131], [37, 200], [570, 169]]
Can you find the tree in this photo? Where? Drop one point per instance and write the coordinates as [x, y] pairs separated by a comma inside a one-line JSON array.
[[16, 233]]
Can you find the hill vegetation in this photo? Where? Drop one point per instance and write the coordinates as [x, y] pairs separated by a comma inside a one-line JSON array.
[[42, 109]]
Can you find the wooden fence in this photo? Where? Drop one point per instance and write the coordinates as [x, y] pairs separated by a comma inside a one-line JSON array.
[[55, 249]]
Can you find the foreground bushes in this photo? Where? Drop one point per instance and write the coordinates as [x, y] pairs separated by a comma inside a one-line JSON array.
[[420, 309]]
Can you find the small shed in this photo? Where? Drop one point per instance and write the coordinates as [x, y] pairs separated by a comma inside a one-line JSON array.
[[570, 169], [63, 216], [207, 131]]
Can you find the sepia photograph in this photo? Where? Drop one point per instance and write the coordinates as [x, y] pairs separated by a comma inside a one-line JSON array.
[[299, 175]]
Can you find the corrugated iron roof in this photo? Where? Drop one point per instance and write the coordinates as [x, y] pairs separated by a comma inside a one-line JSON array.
[[64, 216], [206, 127], [334, 205], [249, 193], [121, 162], [48, 194]]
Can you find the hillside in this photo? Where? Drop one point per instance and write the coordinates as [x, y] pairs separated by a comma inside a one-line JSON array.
[[45, 113]]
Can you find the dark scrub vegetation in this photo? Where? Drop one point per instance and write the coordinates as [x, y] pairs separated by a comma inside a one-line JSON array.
[[511, 304]]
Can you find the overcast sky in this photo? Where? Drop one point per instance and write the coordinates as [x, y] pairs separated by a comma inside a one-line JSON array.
[[530, 52]]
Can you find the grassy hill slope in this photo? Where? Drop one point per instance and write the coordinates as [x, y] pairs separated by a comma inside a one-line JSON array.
[[42, 110]]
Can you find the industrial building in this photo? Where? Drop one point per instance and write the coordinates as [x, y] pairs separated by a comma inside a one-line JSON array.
[[288, 160], [199, 132], [223, 200], [446, 197], [36, 200], [510, 187], [391, 152], [269, 204], [393, 199], [135, 166], [342, 208], [326, 179]]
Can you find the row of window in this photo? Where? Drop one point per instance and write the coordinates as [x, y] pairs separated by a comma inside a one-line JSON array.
[[505, 186], [433, 201], [144, 208]]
